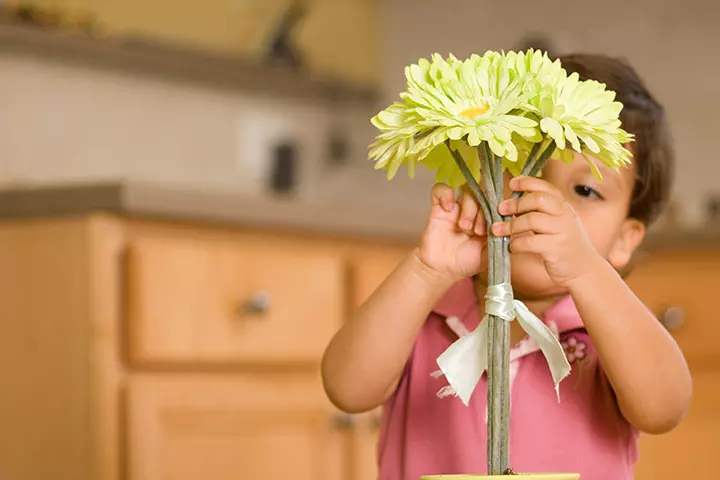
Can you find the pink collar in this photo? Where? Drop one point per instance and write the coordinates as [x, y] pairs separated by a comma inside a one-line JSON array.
[[460, 301]]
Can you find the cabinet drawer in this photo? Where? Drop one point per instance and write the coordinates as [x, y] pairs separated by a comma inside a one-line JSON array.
[[370, 269], [260, 426], [231, 302], [681, 288], [690, 451]]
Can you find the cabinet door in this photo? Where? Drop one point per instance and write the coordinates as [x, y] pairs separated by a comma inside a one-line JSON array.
[[369, 270], [680, 288], [260, 427], [328, 42], [364, 446], [691, 451]]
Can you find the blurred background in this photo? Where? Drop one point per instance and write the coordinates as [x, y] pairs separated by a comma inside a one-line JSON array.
[[187, 214]]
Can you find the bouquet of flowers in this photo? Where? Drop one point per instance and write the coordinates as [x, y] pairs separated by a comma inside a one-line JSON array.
[[471, 121]]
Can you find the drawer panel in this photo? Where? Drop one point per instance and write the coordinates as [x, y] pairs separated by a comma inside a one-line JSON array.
[[682, 288], [230, 302], [690, 451], [370, 269], [260, 426]]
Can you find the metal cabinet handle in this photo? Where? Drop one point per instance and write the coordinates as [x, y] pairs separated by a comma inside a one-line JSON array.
[[343, 421], [258, 304], [673, 318], [376, 420]]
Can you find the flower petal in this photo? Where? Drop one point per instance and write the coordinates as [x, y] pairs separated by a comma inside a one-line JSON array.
[[572, 138], [496, 147], [554, 129]]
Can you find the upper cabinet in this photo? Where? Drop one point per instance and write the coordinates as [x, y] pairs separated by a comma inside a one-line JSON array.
[[334, 38], [340, 39]]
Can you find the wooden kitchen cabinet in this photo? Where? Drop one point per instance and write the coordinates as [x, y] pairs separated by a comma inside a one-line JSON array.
[[334, 49], [681, 288], [369, 270], [157, 350], [335, 39], [260, 426], [138, 350], [49, 368], [691, 450], [364, 446], [231, 301]]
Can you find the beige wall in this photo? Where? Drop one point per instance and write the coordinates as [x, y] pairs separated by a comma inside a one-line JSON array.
[[674, 45], [65, 122]]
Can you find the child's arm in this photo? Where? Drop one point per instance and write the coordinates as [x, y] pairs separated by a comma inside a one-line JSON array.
[[365, 360], [644, 365]]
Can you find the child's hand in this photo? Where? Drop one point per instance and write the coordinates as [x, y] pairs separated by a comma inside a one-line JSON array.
[[545, 224], [455, 238]]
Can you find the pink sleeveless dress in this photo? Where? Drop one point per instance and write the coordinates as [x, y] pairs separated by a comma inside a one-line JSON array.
[[584, 433]]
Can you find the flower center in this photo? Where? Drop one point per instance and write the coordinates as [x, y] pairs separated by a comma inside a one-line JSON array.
[[475, 111]]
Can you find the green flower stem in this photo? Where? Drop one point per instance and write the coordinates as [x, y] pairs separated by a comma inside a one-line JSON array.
[[543, 159], [498, 393], [537, 165], [498, 372], [502, 339], [492, 164], [472, 183], [498, 177], [488, 177], [531, 158]]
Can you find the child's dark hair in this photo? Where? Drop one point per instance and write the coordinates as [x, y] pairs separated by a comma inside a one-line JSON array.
[[642, 116]]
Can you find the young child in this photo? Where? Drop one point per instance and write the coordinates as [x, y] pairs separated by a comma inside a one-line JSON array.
[[570, 235]]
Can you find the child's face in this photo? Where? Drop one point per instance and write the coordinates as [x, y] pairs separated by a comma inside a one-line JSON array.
[[601, 206]]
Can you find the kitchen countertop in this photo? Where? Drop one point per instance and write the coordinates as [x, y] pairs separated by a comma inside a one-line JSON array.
[[135, 199]]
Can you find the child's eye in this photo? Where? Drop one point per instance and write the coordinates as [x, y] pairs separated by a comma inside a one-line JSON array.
[[587, 192]]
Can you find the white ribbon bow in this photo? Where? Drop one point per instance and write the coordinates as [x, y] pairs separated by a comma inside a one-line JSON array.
[[464, 362]]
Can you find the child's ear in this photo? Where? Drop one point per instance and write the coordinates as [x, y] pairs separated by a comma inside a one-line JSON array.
[[631, 236]]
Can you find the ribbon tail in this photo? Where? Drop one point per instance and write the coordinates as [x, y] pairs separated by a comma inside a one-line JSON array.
[[464, 362], [546, 341]]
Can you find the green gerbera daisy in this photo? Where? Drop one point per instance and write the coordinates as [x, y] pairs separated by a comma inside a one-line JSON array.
[[476, 100], [584, 115], [514, 103]]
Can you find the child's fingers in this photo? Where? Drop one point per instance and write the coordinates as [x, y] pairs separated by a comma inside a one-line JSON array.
[[443, 196], [534, 222], [540, 201], [536, 244], [532, 184], [468, 212]]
